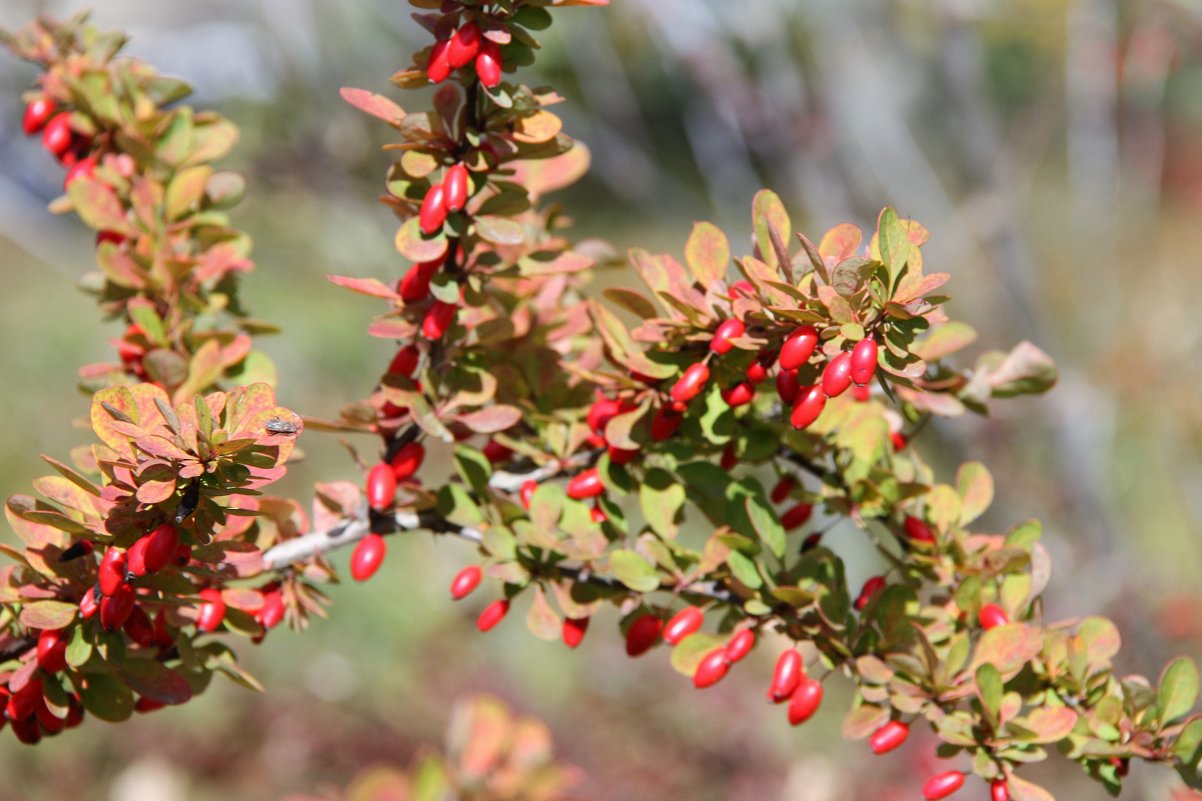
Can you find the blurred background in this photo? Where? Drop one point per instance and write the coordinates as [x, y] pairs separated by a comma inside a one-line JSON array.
[[1054, 149]]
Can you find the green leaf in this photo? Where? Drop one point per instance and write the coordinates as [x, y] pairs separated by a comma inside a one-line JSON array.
[[661, 498], [707, 253], [634, 571], [79, 650], [689, 652], [893, 242], [474, 468], [1178, 690], [152, 679], [975, 485], [1188, 747], [744, 569], [107, 698], [766, 524], [771, 223], [457, 506]]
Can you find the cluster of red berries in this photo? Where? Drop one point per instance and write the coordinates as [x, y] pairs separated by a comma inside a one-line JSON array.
[[58, 138], [383, 481], [23, 700], [467, 45]]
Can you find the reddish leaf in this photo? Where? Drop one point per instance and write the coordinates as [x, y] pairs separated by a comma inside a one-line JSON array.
[[373, 104]]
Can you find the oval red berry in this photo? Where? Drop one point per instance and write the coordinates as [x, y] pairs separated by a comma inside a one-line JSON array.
[[798, 347], [643, 633], [367, 557], [493, 614], [683, 623], [888, 737], [381, 487], [790, 670], [836, 377], [691, 383], [728, 330], [943, 785], [805, 701], [863, 361], [808, 407], [466, 581]]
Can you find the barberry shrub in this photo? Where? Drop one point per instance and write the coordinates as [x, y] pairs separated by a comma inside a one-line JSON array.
[[679, 452]]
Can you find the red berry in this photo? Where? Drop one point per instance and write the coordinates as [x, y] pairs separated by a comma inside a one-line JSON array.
[[601, 412], [870, 588], [999, 790], [790, 670], [943, 785], [805, 701], [740, 645], [898, 439], [574, 629], [863, 361], [643, 633], [75, 713], [455, 185], [787, 385], [808, 407], [83, 167], [993, 615], [691, 383], [27, 730], [160, 547], [496, 453], [135, 558], [665, 423], [111, 237], [116, 608], [597, 514], [405, 361], [757, 371], [89, 604], [586, 485], [493, 614], [711, 670], [730, 457], [488, 63], [144, 705], [212, 610], [797, 516], [112, 571], [465, 581], [438, 319], [52, 650], [744, 288], [272, 612], [888, 737], [408, 460], [433, 212], [728, 330], [51, 723], [861, 394], [739, 395], [782, 489], [139, 628], [836, 377], [367, 557], [381, 487], [439, 68], [57, 135], [463, 45], [527, 492], [917, 530], [622, 455], [414, 287], [682, 624], [24, 702], [798, 347], [811, 542], [37, 114], [182, 555]]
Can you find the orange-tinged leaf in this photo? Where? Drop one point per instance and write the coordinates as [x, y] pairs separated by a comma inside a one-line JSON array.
[[707, 253], [412, 245], [372, 287], [98, 205], [840, 243], [1008, 647], [541, 126], [1048, 724], [373, 104]]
